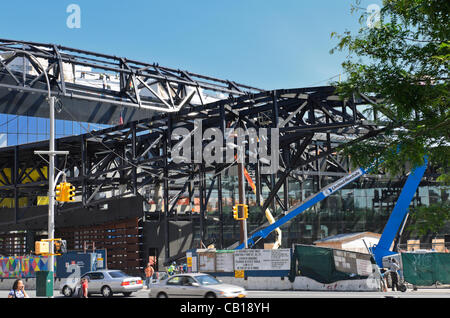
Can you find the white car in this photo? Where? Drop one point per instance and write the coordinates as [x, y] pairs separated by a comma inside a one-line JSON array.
[[107, 283], [195, 285]]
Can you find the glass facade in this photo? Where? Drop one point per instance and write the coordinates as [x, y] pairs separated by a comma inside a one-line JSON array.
[[363, 205], [16, 130]]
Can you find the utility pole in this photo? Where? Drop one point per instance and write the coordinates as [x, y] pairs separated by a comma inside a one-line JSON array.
[[241, 180], [51, 187]]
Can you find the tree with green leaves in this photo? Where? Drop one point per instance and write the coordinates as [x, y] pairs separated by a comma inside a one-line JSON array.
[[429, 219], [399, 64]]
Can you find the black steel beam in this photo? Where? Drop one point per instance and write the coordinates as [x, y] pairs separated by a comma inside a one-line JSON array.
[[99, 156]]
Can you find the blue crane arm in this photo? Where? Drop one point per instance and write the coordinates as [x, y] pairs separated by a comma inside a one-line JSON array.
[[398, 214], [392, 226], [309, 202]]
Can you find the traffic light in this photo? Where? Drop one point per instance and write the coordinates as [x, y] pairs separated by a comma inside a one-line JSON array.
[[60, 246], [59, 192], [240, 212], [43, 247], [65, 192], [70, 192], [235, 212]]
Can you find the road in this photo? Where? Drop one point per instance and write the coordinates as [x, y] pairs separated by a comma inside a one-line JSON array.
[[421, 293]]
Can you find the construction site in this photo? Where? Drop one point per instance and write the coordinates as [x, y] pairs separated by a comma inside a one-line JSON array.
[[169, 166]]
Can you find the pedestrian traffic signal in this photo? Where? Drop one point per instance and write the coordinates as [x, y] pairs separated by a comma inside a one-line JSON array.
[[60, 246], [41, 247]]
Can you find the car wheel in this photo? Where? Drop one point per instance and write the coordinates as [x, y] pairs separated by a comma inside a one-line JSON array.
[[210, 295], [67, 291], [127, 294], [162, 295], [106, 291]]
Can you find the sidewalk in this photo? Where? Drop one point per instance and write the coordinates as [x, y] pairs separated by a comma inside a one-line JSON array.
[[431, 290], [31, 293]]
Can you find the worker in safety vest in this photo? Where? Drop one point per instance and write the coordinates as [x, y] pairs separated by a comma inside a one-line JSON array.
[[171, 269]]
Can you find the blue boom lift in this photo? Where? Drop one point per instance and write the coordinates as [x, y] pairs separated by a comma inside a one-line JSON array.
[[392, 227], [398, 215]]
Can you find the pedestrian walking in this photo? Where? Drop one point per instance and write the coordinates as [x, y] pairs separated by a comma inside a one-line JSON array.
[[149, 271], [84, 288], [18, 290]]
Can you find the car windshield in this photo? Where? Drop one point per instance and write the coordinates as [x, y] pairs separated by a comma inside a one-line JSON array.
[[117, 274], [207, 280]]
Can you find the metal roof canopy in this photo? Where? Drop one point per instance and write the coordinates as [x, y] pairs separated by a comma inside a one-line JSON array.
[[130, 154], [22, 93]]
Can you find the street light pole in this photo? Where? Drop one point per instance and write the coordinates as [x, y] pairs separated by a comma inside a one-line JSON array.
[[241, 180], [51, 171], [51, 189]]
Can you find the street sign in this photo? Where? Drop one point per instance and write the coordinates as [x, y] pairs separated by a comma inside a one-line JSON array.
[[239, 274], [279, 259]]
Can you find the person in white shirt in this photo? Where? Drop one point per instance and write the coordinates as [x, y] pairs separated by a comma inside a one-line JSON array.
[[394, 274]]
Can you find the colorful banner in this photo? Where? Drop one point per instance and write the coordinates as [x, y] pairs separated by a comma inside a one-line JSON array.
[[22, 266]]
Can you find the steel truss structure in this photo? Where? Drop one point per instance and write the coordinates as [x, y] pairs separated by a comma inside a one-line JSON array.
[[136, 158], [143, 87]]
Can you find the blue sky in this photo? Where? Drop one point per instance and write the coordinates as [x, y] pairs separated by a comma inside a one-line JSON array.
[[266, 44]]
